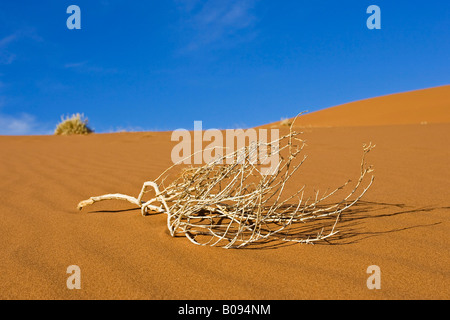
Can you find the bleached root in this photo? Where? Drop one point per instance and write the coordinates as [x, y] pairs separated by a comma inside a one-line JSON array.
[[145, 206], [115, 196], [232, 205]]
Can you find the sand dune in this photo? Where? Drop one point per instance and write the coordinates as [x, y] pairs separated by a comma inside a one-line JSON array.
[[401, 226], [415, 107]]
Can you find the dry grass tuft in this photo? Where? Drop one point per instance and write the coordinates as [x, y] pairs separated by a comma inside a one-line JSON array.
[[76, 124], [285, 122]]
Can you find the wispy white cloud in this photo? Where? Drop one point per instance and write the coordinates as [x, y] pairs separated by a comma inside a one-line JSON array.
[[8, 57], [74, 65], [216, 21], [7, 40], [23, 124], [86, 67]]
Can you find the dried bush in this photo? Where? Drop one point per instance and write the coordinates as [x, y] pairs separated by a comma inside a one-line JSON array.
[[285, 122], [76, 124], [232, 205]]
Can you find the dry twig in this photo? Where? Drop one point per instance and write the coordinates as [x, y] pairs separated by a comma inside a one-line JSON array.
[[232, 205]]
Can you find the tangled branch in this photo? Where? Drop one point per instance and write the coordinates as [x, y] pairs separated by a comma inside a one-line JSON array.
[[230, 203]]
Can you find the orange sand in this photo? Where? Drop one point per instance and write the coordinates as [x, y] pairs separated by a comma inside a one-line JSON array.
[[416, 107], [402, 225]]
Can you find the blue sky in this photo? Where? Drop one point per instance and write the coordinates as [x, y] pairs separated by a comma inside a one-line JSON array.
[[160, 65]]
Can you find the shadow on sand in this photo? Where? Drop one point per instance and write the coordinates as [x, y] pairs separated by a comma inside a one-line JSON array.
[[352, 225]]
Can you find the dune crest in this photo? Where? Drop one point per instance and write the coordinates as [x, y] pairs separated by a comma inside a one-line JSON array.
[[424, 106]]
